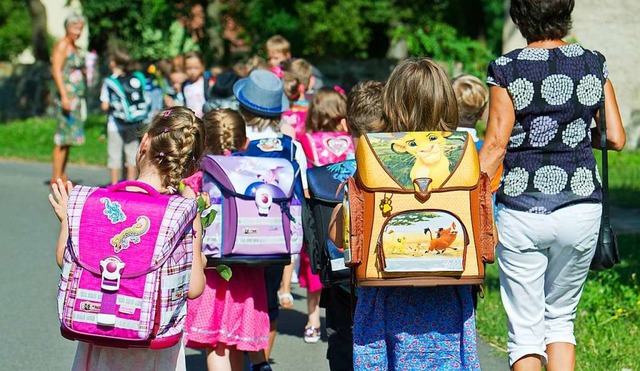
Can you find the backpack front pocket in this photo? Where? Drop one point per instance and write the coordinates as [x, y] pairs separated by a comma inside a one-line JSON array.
[[423, 241]]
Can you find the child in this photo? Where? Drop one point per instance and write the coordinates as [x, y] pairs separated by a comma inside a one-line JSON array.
[[197, 84], [364, 112], [326, 142], [431, 327], [472, 97], [231, 316], [278, 51], [176, 96], [327, 138], [297, 80], [122, 137], [262, 101], [169, 151], [221, 93]]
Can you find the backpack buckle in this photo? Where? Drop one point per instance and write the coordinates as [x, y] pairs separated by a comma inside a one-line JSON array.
[[111, 268], [264, 200], [421, 186]]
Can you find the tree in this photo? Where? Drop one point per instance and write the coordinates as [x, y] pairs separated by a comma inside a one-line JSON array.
[[15, 29], [39, 34]]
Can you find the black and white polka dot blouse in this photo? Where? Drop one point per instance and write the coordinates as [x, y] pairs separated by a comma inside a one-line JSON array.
[[556, 93]]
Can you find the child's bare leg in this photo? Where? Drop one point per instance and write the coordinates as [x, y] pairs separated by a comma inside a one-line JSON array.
[[236, 358], [59, 162], [273, 328], [115, 175], [219, 358], [313, 308], [284, 296]]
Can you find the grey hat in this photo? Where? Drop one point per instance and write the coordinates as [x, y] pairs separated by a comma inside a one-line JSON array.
[[261, 93]]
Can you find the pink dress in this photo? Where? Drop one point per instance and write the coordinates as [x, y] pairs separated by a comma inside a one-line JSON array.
[[234, 312]]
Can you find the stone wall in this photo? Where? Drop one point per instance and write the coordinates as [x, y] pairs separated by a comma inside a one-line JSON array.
[[611, 27]]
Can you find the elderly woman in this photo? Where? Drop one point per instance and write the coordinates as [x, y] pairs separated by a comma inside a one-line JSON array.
[[543, 100], [67, 65]]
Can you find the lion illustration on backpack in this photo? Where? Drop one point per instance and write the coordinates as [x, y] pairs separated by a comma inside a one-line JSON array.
[[428, 148]]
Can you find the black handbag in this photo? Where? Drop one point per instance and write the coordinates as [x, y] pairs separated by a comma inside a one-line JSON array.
[[607, 254]]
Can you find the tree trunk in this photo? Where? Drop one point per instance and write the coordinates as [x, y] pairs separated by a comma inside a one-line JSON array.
[[38, 15]]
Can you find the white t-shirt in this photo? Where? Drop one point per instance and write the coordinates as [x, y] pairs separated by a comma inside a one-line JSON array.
[[253, 133], [194, 96], [112, 124]]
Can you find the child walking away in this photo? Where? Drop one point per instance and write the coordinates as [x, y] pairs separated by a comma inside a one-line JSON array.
[[262, 101], [196, 87], [297, 80], [364, 111], [221, 93], [327, 139], [131, 255], [231, 316], [472, 97], [124, 99], [425, 327], [175, 97]]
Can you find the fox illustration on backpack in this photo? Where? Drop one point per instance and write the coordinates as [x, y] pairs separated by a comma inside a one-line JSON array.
[[126, 267], [408, 186]]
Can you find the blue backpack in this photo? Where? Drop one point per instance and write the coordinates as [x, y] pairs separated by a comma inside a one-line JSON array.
[[324, 182], [128, 99]]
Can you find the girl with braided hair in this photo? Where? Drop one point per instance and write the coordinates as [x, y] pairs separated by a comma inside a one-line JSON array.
[[231, 316], [170, 150]]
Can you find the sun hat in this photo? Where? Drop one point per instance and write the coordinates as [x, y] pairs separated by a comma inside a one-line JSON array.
[[261, 93]]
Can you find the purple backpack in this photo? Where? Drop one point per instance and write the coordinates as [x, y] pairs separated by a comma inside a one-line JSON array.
[[127, 265], [259, 218]]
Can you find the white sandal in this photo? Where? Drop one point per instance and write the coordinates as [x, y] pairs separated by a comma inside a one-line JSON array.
[[285, 299]]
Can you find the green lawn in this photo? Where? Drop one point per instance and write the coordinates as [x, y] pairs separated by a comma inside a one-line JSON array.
[[32, 139], [608, 320]]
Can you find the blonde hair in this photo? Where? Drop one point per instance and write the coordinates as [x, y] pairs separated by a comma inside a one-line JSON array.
[[364, 107], [418, 97], [225, 131], [255, 63], [261, 122], [300, 69], [327, 109], [278, 43], [472, 97], [176, 144]]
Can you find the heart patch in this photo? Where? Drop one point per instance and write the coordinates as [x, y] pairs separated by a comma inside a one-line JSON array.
[[338, 145]]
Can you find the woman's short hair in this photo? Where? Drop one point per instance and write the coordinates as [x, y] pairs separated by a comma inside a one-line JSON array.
[[542, 19], [74, 18]]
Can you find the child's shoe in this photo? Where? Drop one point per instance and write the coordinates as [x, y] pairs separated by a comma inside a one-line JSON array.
[[264, 366], [311, 334]]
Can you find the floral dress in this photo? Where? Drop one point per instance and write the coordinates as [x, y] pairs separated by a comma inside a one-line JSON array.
[[415, 328], [70, 130]]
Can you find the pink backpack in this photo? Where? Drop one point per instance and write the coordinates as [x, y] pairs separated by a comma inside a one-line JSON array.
[[259, 217], [296, 117], [127, 265], [324, 148]]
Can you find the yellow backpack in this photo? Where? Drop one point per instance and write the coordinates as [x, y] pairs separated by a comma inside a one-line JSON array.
[[418, 211]]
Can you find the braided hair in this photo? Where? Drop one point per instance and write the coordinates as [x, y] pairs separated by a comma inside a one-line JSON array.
[[176, 144], [226, 131]]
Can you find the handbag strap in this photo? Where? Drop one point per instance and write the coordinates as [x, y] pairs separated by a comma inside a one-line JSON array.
[[605, 159]]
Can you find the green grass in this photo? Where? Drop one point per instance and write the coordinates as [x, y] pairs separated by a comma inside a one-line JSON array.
[[32, 139], [607, 326]]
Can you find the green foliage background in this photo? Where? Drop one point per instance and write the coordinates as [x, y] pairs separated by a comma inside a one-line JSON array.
[[15, 28]]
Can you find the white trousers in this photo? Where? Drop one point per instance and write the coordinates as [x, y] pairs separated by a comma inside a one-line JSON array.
[[543, 262]]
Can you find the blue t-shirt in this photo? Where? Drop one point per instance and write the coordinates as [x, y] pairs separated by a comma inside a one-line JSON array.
[[556, 92]]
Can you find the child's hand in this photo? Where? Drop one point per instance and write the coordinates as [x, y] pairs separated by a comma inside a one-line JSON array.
[[60, 198]]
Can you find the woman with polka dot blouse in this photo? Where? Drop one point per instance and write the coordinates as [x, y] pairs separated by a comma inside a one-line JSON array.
[[544, 98]]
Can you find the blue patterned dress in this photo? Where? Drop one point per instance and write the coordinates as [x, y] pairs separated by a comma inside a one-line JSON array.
[[408, 328]]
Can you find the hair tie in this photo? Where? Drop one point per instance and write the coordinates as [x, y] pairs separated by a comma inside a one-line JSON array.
[[167, 113], [161, 154], [226, 152], [339, 89], [166, 128]]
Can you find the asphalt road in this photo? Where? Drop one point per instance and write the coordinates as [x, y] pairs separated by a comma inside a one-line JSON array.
[[30, 337]]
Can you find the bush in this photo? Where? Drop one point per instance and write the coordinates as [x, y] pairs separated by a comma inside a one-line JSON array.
[[15, 29]]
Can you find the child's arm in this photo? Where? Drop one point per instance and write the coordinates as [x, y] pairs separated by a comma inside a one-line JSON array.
[[59, 200], [198, 280]]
